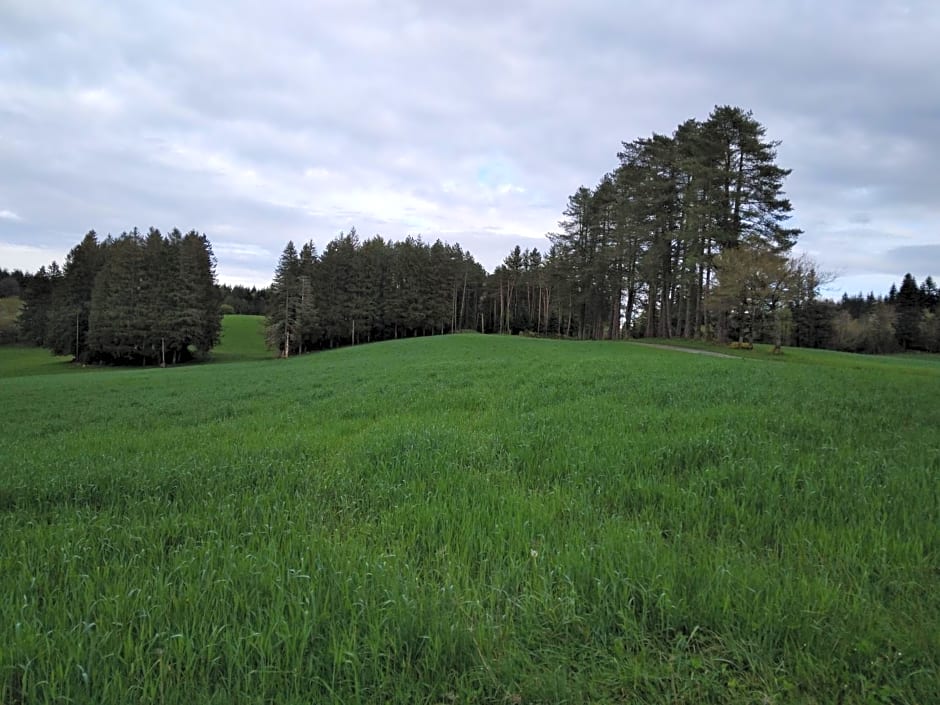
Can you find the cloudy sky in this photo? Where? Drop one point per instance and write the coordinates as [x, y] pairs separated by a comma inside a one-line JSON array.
[[468, 120]]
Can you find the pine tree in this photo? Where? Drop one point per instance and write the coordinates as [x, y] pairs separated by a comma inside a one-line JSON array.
[[280, 324], [929, 294], [116, 327], [198, 281], [908, 311], [308, 333], [70, 307], [33, 320]]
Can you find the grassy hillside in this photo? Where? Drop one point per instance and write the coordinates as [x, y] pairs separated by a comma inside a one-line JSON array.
[[19, 361], [242, 339], [9, 310], [473, 519]]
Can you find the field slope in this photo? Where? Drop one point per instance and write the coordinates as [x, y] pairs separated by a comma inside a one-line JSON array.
[[473, 519], [242, 339]]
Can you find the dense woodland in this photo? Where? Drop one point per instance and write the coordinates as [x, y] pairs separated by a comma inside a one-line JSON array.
[[908, 318], [357, 292], [686, 237], [131, 299], [249, 301]]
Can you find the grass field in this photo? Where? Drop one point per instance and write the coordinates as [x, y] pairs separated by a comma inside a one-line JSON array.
[[17, 361], [9, 310], [242, 339], [473, 519]]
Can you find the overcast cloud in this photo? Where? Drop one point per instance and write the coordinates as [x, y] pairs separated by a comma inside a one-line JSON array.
[[471, 121]]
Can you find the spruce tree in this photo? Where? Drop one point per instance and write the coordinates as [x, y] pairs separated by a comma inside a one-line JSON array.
[[908, 310], [280, 324], [116, 326], [70, 306]]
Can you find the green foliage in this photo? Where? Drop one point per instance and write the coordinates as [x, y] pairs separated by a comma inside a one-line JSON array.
[[244, 300], [357, 292], [904, 320], [429, 520], [130, 299], [242, 339], [908, 313], [10, 285], [37, 303], [637, 253]]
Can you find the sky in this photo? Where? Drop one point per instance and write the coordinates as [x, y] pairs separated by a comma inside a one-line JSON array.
[[471, 121]]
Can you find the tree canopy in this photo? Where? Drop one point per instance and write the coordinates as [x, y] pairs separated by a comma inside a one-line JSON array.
[[359, 291], [131, 299], [687, 236]]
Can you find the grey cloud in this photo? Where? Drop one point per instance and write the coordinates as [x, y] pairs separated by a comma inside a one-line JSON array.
[[297, 120], [921, 260]]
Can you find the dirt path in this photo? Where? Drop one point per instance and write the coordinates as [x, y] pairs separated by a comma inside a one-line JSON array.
[[694, 351]]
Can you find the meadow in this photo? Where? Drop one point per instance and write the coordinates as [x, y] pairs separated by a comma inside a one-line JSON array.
[[9, 310], [471, 519]]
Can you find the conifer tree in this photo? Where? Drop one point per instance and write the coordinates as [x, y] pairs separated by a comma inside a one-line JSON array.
[[282, 317], [70, 306]]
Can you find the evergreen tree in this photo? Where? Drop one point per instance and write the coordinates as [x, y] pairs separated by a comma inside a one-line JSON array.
[[282, 303], [38, 293], [908, 311], [70, 307], [130, 299], [117, 328], [929, 294], [306, 311]]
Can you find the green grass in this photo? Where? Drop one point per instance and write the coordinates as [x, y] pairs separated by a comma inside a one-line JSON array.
[[20, 361], [909, 362], [242, 339], [473, 519], [9, 310]]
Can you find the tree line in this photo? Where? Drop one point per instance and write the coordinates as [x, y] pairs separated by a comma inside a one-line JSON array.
[[130, 299], [243, 300], [908, 318], [359, 291], [687, 236]]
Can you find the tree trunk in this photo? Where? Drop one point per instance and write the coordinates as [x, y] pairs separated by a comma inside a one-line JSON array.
[[463, 302], [778, 331]]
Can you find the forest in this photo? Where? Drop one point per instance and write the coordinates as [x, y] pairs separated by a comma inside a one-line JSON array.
[[686, 237], [131, 299]]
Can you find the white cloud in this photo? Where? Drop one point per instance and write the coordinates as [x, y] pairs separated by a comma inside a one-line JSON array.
[[239, 251], [9, 215]]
